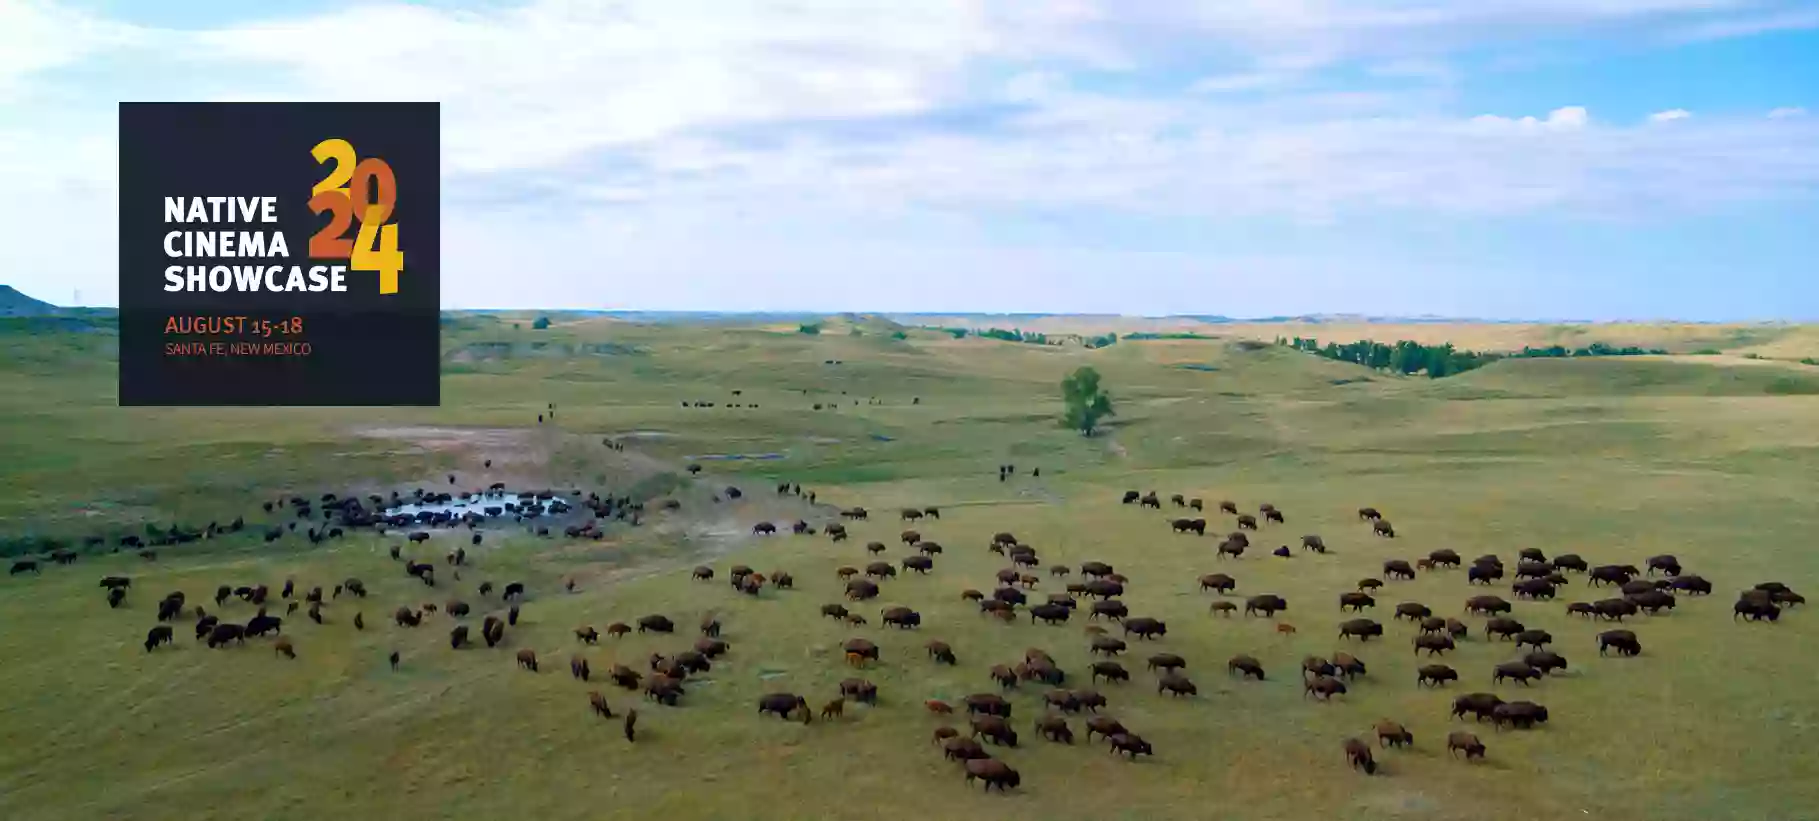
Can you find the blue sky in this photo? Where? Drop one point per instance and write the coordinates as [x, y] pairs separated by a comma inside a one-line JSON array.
[[1603, 159]]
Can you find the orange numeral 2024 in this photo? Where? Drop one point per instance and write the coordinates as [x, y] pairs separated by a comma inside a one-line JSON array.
[[370, 184]]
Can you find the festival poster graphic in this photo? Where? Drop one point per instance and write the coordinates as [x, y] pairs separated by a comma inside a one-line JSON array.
[[279, 254]]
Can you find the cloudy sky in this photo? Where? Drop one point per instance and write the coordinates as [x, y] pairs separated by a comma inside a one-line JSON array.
[[1502, 158]]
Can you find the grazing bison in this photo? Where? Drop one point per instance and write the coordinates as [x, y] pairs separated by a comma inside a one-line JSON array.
[[941, 652], [1413, 611], [861, 589], [1051, 613], [1246, 666], [1664, 563], [1314, 543], [782, 704], [1545, 661], [1435, 675], [1268, 604], [1614, 609], [527, 659], [1397, 568], [1110, 671], [1534, 638], [1325, 687], [1533, 589], [1382, 527], [457, 637], [1501, 627], [861, 648], [1391, 734], [1145, 628], [24, 566], [901, 617], [1433, 644], [1519, 714], [1462, 741], [995, 729], [1218, 582], [1247, 522], [222, 634], [1652, 601], [1696, 585], [162, 634], [1480, 705], [261, 624], [1132, 744], [1623, 641], [1348, 665], [1054, 728], [1358, 755], [993, 772], [1107, 646], [1612, 574], [1518, 670], [1361, 629], [1756, 609], [1486, 605], [1444, 557], [920, 564], [1197, 526], [656, 624]]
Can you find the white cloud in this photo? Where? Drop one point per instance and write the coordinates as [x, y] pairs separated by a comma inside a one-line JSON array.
[[1745, 26], [1669, 115], [1786, 112], [1560, 119], [672, 119], [39, 35]]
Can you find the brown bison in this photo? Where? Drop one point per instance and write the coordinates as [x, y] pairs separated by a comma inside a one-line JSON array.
[[1361, 629], [1325, 687], [1623, 641], [1268, 604], [993, 772], [1435, 675], [781, 704], [1433, 644], [1480, 705], [1358, 754], [527, 659], [1246, 666], [1391, 734], [1461, 741]]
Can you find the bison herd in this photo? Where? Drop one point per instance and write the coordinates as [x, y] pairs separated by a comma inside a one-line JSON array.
[[1635, 593]]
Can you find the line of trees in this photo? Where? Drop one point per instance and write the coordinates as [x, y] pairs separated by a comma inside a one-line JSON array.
[[1407, 357]]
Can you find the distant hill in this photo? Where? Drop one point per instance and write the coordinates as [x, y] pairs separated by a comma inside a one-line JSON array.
[[13, 303]]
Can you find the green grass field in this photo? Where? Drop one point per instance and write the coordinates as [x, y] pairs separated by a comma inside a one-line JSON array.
[[1708, 458]]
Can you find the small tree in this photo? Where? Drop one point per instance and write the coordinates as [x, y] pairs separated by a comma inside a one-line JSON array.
[[542, 323], [1086, 402], [810, 328]]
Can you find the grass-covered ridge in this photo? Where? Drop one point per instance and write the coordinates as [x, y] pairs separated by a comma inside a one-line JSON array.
[[1709, 458]]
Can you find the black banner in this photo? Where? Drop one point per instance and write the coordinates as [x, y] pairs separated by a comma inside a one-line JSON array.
[[280, 254]]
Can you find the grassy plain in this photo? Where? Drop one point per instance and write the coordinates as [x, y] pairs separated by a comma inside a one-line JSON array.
[[1615, 459]]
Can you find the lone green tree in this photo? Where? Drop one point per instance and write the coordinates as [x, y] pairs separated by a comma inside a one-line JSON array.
[[541, 324], [1087, 402]]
